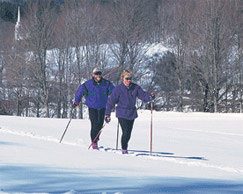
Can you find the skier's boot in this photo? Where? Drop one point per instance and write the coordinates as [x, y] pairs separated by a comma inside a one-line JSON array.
[[95, 146], [124, 151]]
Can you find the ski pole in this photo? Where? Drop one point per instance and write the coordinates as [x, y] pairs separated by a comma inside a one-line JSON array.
[[117, 135], [67, 126], [96, 136], [151, 128]]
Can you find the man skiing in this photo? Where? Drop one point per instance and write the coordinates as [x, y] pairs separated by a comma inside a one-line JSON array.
[[125, 95], [96, 92]]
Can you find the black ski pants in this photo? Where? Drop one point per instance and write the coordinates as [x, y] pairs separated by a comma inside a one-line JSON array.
[[126, 126], [97, 120]]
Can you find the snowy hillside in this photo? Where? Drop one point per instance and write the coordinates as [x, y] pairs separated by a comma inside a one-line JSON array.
[[196, 153]]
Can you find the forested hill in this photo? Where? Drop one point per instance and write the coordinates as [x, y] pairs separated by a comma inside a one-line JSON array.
[[56, 45]]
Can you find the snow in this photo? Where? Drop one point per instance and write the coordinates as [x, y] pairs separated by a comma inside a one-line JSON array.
[[156, 48], [201, 153]]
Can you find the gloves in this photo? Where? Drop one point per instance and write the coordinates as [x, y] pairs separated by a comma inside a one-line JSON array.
[[152, 96], [74, 106], [107, 118]]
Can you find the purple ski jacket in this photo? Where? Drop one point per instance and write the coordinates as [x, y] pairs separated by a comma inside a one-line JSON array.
[[96, 94], [125, 98]]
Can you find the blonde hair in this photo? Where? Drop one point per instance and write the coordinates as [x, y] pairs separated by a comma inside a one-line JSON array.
[[126, 73]]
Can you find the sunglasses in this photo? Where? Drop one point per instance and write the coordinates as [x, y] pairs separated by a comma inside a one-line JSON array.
[[128, 78], [98, 73]]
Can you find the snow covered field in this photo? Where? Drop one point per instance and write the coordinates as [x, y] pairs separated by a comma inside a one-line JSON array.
[[199, 153]]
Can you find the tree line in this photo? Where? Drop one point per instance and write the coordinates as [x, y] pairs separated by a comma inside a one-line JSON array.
[[56, 46]]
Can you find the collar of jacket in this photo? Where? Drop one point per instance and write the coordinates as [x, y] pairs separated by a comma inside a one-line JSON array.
[[95, 82], [128, 87]]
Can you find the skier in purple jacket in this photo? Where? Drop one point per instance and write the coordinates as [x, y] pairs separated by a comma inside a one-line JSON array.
[[96, 92], [125, 95]]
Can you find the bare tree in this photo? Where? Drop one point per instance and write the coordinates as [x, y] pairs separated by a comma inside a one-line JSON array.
[[6, 29], [84, 21], [38, 28], [129, 26], [237, 27], [177, 39], [211, 46]]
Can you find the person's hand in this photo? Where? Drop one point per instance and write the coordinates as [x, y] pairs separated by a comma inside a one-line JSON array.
[[107, 118], [152, 96], [74, 105]]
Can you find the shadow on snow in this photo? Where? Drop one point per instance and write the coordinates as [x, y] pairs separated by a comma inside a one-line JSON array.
[[4, 143], [37, 179], [158, 154]]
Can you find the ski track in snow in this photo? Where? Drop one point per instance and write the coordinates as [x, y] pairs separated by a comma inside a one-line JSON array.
[[203, 131], [162, 157], [34, 136], [177, 160]]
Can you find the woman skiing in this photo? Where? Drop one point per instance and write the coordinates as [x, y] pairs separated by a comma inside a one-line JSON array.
[[125, 95]]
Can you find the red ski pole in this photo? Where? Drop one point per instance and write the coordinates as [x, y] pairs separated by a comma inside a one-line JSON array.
[[96, 136], [151, 128]]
